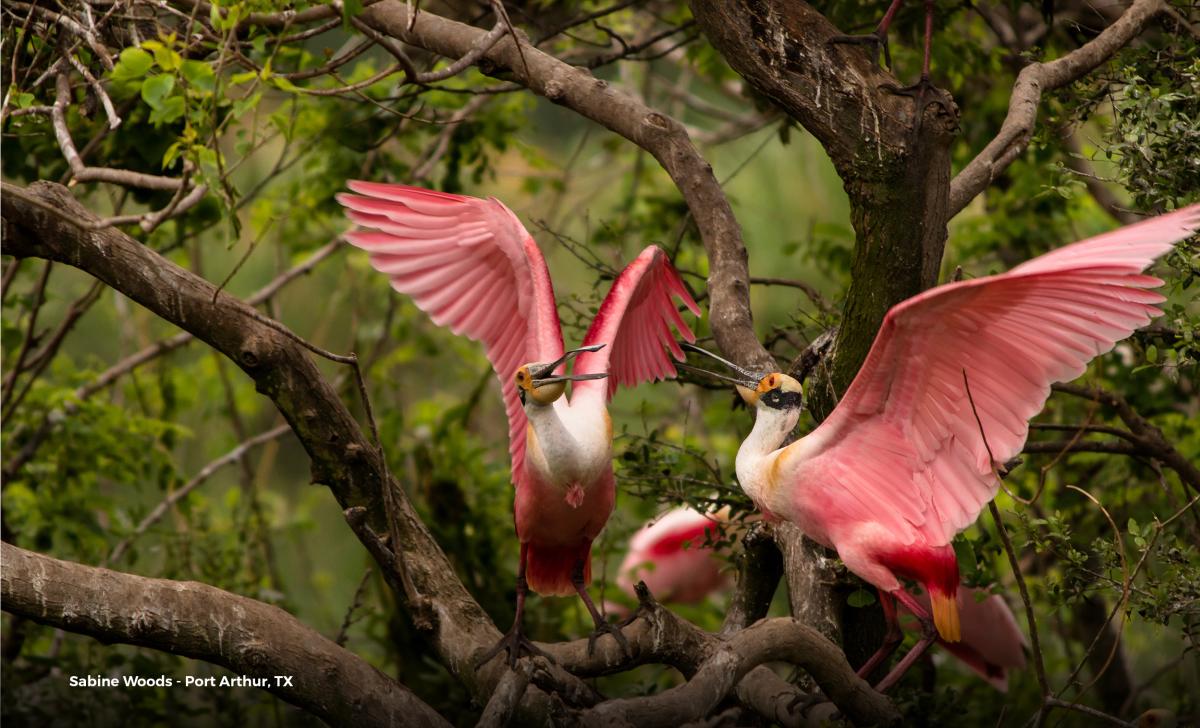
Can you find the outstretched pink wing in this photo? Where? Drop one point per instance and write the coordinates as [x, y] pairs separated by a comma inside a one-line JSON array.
[[472, 266], [634, 323], [903, 445]]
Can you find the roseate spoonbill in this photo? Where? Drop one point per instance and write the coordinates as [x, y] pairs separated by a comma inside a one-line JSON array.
[[472, 266], [670, 554], [907, 458]]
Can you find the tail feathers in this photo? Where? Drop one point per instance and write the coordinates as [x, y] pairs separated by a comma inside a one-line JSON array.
[[548, 569], [945, 615]]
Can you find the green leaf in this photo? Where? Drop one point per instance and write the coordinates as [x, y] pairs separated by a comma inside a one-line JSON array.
[[170, 110], [133, 64], [1152, 353], [199, 75], [285, 85], [167, 59], [243, 77], [156, 89], [860, 598]]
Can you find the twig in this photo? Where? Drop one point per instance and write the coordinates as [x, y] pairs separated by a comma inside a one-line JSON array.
[[1035, 642], [39, 297], [113, 119], [233, 456], [348, 620], [1052, 702], [808, 289]]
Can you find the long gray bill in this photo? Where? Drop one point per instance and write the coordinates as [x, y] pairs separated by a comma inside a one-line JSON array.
[[567, 356], [744, 372]]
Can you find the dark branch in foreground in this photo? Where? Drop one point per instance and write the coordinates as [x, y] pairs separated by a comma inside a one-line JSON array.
[[196, 620]]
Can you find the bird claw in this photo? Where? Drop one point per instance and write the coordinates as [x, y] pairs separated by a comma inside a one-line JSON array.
[[877, 39], [516, 645], [920, 93], [605, 627]]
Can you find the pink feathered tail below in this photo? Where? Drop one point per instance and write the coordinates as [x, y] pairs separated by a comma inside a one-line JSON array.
[[548, 569]]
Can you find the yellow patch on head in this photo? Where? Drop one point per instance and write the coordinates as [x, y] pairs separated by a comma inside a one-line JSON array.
[[769, 382], [524, 379]]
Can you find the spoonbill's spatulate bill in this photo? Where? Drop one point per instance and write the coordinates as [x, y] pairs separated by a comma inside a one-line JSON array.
[[472, 266], [902, 464]]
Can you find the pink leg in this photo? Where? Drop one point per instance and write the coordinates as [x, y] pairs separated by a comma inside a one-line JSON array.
[[891, 640], [878, 38], [514, 643], [928, 637], [602, 624]]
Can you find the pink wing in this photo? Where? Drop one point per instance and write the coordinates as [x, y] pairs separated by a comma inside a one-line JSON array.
[[903, 444], [634, 323], [471, 265]]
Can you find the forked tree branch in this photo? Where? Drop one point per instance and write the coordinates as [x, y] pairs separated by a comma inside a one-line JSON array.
[[200, 621], [1032, 82]]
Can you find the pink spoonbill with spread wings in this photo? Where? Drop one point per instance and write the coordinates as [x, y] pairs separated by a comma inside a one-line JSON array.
[[472, 266], [908, 457]]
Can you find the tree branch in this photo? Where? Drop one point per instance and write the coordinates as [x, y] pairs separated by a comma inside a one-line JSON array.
[[780, 639], [1032, 82], [203, 622]]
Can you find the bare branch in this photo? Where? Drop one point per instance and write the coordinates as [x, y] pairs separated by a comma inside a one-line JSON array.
[[780, 639], [1032, 82], [1150, 440], [81, 171], [203, 622]]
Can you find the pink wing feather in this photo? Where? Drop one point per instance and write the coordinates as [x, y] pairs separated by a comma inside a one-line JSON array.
[[1013, 334], [472, 266], [634, 323]]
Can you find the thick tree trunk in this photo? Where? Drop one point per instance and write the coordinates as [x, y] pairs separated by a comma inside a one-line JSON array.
[[897, 174]]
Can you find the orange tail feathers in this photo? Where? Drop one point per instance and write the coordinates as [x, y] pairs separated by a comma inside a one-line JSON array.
[[548, 569], [945, 615]]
